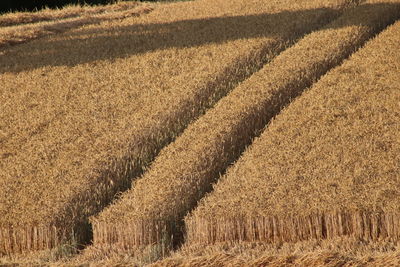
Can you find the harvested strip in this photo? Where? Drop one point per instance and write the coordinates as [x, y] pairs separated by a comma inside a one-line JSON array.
[[21, 34], [185, 170], [317, 259], [126, 90], [325, 167], [341, 252], [15, 18]]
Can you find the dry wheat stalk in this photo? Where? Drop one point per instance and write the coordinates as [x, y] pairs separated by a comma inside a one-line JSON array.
[[185, 170], [69, 11], [108, 97], [327, 166]]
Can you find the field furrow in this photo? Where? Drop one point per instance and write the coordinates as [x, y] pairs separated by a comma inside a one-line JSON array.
[[108, 97], [152, 211], [326, 167]]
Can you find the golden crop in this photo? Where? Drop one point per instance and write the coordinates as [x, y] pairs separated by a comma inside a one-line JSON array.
[[70, 11], [185, 170], [326, 167], [18, 34], [160, 105], [84, 112]]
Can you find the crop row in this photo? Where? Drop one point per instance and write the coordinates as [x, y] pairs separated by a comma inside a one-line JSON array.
[[152, 211], [23, 33], [86, 111], [18, 18], [327, 166]]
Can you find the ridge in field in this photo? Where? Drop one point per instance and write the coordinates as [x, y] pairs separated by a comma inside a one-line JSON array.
[[14, 35], [153, 35], [152, 211], [326, 167], [87, 130], [18, 18]]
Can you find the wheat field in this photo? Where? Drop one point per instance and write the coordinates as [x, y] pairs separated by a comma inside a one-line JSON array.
[[21, 33], [60, 151], [204, 132], [331, 205], [185, 170], [69, 11], [318, 192]]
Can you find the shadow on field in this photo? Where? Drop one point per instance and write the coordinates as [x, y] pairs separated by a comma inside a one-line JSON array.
[[90, 45]]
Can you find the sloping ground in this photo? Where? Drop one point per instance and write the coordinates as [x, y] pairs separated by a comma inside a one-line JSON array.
[[85, 111], [152, 211], [47, 14], [22, 33], [327, 166]]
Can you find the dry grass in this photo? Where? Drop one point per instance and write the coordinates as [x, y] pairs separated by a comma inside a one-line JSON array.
[[327, 166], [316, 259], [85, 111], [217, 259], [63, 255], [70, 11], [342, 252], [20, 34], [152, 211]]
